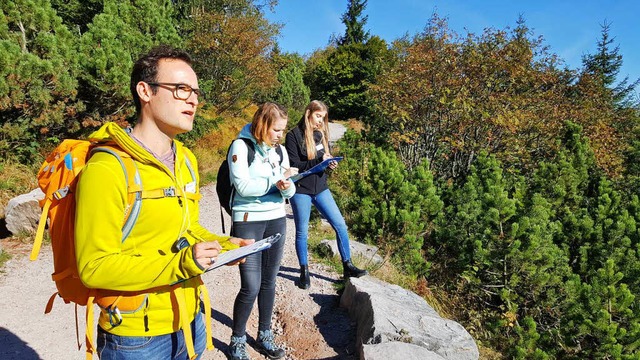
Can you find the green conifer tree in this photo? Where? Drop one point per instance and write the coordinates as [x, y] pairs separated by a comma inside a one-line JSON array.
[[354, 22], [605, 65], [601, 320], [391, 210], [115, 39], [292, 91], [38, 71]]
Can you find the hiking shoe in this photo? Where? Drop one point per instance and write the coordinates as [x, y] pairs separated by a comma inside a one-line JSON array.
[[267, 347], [238, 348]]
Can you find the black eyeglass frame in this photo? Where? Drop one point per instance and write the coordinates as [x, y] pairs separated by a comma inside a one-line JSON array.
[[176, 87]]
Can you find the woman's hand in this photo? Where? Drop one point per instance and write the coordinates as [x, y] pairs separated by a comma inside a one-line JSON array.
[[283, 184], [240, 242], [290, 172], [332, 164]]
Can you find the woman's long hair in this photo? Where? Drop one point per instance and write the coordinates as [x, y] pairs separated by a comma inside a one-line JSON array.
[[309, 125]]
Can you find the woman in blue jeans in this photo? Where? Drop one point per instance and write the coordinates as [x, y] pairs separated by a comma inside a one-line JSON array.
[[258, 212], [308, 145]]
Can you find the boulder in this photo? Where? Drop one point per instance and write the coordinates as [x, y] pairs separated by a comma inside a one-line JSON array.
[[368, 253], [387, 313], [22, 213], [397, 350]]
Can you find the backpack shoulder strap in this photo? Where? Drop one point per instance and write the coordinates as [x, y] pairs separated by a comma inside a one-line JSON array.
[[251, 150], [134, 186], [190, 192], [279, 152]]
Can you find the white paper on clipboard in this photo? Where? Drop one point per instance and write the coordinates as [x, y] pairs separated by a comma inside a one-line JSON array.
[[233, 255]]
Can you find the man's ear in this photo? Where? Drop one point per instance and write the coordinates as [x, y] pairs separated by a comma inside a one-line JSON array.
[[307, 113], [144, 91]]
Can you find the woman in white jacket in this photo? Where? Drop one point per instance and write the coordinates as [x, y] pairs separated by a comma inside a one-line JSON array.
[[258, 212]]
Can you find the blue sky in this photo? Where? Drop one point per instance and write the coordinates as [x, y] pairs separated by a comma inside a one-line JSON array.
[[570, 28]]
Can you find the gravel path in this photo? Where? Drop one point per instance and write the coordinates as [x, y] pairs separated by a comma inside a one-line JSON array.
[[309, 323]]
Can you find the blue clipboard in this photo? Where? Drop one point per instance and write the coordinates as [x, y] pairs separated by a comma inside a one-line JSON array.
[[316, 169]]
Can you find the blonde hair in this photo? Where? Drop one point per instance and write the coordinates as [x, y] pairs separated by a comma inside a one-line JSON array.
[[266, 114], [309, 124]]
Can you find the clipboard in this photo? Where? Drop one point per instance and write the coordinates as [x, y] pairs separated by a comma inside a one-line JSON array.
[[243, 251], [316, 169]]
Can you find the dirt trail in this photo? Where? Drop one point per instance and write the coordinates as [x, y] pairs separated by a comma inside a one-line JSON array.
[[309, 323]]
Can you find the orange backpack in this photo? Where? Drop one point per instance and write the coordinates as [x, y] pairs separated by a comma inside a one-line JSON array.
[[57, 178]]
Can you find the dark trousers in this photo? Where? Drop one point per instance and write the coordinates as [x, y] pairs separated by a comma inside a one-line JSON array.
[[258, 274]]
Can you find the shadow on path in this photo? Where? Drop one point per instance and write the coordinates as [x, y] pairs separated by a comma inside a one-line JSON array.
[[336, 327], [225, 320], [12, 347], [296, 275]]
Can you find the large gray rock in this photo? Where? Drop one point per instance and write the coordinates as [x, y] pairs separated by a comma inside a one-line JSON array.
[[368, 253], [388, 313], [23, 212], [397, 350]]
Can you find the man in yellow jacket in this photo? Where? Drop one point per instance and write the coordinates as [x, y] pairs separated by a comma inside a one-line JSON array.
[[153, 273]]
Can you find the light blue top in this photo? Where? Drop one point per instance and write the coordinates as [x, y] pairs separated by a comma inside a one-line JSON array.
[[257, 198]]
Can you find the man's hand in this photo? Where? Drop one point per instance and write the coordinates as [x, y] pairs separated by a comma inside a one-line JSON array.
[[205, 253], [240, 242]]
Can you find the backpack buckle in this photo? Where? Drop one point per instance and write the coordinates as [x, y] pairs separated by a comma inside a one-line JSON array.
[[115, 318], [61, 193], [169, 192]]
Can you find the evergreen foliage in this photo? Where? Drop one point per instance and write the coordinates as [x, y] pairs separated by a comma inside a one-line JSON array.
[[605, 65], [341, 76], [292, 91], [77, 14], [113, 42], [390, 207], [38, 78], [547, 265], [354, 22]]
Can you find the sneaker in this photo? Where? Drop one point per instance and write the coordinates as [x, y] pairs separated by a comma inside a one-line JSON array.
[[238, 348], [267, 347]]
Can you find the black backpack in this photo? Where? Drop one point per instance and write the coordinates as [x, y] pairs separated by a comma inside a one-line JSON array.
[[224, 188]]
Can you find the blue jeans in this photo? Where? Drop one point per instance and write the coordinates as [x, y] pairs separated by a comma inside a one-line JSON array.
[[326, 205], [169, 346], [258, 274]]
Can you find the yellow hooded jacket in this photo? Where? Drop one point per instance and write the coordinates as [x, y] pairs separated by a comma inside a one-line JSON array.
[[144, 260]]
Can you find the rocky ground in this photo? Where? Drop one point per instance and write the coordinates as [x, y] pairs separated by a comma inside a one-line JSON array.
[[309, 323]]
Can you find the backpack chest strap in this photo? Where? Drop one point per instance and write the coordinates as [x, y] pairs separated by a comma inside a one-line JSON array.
[[162, 193]]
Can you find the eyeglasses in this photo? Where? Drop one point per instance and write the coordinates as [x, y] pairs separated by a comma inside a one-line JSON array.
[[180, 91]]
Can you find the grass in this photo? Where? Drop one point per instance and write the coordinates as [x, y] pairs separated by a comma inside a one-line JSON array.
[[4, 257], [15, 179]]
